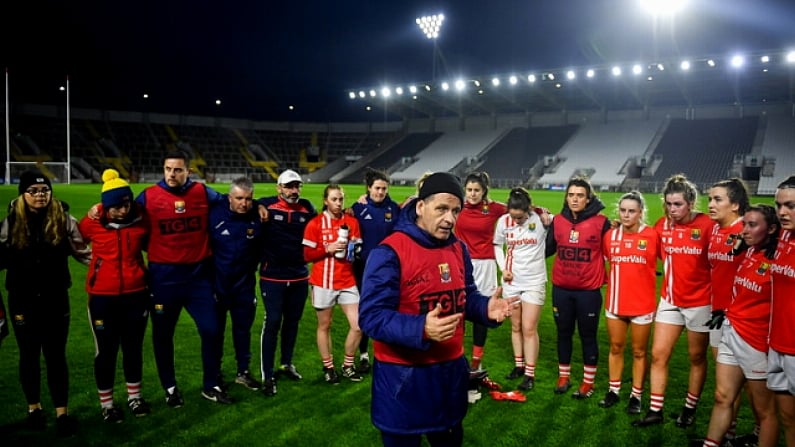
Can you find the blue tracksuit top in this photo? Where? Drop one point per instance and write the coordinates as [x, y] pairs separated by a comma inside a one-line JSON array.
[[376, 220], [409, 399], [236, 240]]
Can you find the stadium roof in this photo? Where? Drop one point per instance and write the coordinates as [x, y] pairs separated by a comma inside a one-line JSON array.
[[761, 77]]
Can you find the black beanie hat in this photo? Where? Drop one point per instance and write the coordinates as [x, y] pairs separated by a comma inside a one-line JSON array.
[[29, 178], [442, 182]]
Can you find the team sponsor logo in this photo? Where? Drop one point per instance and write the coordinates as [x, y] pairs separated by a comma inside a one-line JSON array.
[[179, 206], [532, 226], [695, 234], [415, 281], [642, 244], [249, 233], [574, 236], [763, 267], [180, 225], [451, 302], [444, 272], [575, 254], [99, 324]]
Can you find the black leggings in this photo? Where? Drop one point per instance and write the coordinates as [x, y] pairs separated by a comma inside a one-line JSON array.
[[583, 308], [41, 326]]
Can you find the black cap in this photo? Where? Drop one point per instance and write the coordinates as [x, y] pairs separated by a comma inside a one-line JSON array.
[[442, 182]]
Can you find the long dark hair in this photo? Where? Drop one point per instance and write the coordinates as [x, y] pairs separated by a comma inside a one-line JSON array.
[[482, 179]]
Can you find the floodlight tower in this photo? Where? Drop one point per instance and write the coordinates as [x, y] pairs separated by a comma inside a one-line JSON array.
[[431, 26]]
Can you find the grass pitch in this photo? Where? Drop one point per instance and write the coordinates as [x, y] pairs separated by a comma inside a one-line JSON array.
[[312, 413]]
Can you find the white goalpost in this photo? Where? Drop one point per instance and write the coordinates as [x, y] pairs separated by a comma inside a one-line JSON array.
[[58, 172]]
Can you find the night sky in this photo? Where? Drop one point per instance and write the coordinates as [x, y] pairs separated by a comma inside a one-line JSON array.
[[259, 57]]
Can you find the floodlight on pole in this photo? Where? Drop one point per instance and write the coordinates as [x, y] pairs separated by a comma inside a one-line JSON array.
[[431, 26]]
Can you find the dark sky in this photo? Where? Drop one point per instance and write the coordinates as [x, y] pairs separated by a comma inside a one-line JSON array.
[[259, 57]]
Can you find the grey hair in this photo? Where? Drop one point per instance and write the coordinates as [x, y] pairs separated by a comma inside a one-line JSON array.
[[242, 183]]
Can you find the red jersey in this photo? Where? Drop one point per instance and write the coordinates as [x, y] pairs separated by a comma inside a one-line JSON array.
[[722, 263], [178, 225], [749, 311], [329, 271], [632, 279], [684, 250], [580, 263], [782, 274], [475, 227]]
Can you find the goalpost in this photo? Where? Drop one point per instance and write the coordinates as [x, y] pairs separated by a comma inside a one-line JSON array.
[[57, 172]]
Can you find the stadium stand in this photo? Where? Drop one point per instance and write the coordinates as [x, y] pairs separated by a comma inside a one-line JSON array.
[[520, 156], [778, 153], [601, 150], [703, 149], [387, 157], [446, 152]]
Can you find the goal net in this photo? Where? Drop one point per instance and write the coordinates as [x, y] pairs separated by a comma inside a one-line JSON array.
[[56, 171]]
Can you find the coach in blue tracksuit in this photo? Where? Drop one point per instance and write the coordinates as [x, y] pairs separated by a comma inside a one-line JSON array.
[[284, 276], [236, 238], [418, 288], [377, 217]]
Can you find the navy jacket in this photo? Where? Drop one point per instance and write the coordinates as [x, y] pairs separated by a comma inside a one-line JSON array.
[[413, 399], [376, 220], [283, 253], [236, 240]]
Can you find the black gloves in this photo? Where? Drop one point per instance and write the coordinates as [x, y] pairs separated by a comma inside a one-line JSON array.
[[716, 321]]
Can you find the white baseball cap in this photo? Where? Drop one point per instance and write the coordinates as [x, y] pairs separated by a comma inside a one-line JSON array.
[[288, 176]]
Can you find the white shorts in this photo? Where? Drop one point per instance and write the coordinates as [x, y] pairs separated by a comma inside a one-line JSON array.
[[735, 351], [780, 372], [323, 298], [533, 295], [485, 273], [641, 320], [693, 318], [716, 335]]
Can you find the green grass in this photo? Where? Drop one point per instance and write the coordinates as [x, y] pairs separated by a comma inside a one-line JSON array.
[[312, 413]]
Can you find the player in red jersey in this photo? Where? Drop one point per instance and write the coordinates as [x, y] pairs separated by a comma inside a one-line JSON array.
[[632, 251], [686, 294], [781, 357], [742, 354], [475, 227], [332, 279], [728, 202]]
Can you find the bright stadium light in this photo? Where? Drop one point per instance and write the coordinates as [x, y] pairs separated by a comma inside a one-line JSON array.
[[146, 95], [412, 89], [764, 59], [513, 80], [590, 73], [495, 82], [480, 92], [791, 57], [737, 61], [368, 108], [663, 7], [362, 94], [218, 102], [399, 90], [685, 65], [476, 82], [459, 85], [531, 78], [385, 92], [431, 25], [711, 62], [427, 88], [637, 69], [372, 93], [616, 71], [661, 67], [352, 95], [551, 76], [445, 86], [570, 75]]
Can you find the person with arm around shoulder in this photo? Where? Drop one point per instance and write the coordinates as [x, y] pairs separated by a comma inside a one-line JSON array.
[[118, 296]]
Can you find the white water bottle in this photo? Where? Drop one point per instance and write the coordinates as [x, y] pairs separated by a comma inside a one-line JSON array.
[[342, 237]]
